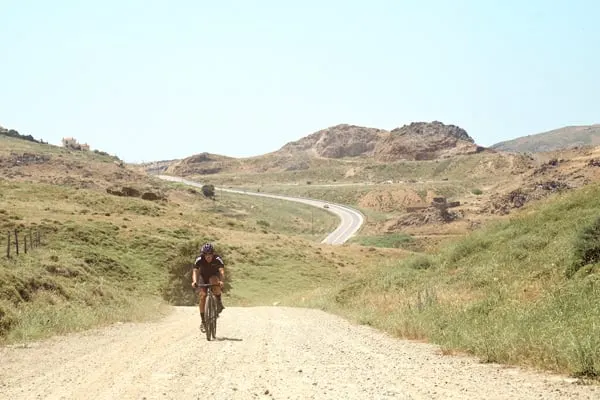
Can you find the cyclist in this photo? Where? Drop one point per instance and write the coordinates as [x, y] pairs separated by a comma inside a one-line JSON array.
[[209, 268]]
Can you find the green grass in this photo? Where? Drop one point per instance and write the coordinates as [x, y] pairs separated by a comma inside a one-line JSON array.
[[501, 293], [106, 258], [391, 240], [278, 216]]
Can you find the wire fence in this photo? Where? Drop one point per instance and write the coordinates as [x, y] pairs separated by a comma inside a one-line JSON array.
[[22, 242]]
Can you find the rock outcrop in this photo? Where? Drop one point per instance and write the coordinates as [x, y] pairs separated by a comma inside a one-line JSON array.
[[338, 142], [425, 141], [417, 141]]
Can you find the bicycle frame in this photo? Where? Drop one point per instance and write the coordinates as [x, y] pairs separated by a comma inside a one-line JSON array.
[[210, 316]]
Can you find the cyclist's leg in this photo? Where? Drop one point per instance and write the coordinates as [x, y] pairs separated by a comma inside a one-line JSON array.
[[217, 291]]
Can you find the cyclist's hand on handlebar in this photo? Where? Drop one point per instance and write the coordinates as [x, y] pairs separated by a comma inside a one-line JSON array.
[[221, 283], [194, 285]]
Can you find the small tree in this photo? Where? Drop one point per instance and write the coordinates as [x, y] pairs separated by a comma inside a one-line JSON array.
[[208, 191]]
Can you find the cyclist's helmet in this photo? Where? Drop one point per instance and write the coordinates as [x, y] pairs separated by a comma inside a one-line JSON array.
[[207, 248]]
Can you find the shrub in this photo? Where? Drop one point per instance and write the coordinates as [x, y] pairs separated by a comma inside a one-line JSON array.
[[15, 134], [208, 191], [7, 319], [179, 290], [586, 248], [477, 192], [420, 262]]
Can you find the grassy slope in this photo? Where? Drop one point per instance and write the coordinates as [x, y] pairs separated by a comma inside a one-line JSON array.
[[500, 293], [259, 172], [107, 258]]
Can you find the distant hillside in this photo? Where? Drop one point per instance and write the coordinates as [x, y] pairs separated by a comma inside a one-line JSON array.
[[563, 138], [200, 164], [417, 141]]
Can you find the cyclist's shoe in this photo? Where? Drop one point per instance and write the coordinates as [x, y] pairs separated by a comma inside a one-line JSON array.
[[220, 306], [202, 327]]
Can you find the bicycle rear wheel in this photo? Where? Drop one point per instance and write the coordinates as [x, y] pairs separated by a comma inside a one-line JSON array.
[[209, 315]]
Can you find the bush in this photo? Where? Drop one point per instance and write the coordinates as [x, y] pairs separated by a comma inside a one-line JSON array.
[[477, 192], [586, 248], [179, 290], [15, 134], [208, 191], [420, 262], [7, 319]]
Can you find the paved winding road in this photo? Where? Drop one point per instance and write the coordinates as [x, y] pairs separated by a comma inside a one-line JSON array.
[[351, 219]]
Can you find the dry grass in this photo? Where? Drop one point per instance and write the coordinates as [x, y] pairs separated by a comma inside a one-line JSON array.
[[502, 293]]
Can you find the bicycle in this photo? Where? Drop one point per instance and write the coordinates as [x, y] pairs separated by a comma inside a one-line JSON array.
[[210, 311]]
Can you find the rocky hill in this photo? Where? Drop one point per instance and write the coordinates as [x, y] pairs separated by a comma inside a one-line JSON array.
[[417, 141], [425, 141], [338, 142], [557, 139]]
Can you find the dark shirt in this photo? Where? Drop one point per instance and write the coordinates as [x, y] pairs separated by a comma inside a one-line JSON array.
[[208, 269]]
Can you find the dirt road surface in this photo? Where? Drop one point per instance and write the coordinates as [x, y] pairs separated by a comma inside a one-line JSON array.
[[262, 353]]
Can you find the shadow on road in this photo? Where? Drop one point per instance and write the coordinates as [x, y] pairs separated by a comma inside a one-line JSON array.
[[222, 339]]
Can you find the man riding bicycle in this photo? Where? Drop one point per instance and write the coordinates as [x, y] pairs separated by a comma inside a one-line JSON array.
[[208, 268]]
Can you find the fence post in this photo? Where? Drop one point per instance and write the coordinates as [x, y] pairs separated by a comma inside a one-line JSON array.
[[17, 240], [8, 246], [25, 238], [31, 244]]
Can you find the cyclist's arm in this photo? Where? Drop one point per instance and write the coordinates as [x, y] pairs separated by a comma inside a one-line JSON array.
[[195, 273], [221, 269]]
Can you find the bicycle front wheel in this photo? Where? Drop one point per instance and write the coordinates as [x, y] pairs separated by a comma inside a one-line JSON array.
[[215, 316], [209, 315]]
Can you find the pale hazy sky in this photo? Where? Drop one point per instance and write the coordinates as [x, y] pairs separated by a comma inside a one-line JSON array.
[[149, 79]]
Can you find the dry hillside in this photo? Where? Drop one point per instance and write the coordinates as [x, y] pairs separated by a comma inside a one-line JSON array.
[[563, 138], [30, 162]]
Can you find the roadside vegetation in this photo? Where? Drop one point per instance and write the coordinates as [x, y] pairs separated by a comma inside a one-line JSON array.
[[523, 291], [391, 240]]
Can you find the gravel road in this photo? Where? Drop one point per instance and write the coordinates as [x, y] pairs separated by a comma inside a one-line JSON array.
[[261, 353]]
